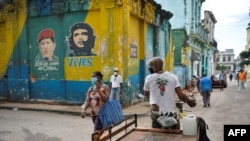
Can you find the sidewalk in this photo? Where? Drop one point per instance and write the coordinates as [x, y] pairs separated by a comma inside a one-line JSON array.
[[141, 108]]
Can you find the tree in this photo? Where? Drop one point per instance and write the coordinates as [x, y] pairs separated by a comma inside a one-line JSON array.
[[245, 58], [219, 67]]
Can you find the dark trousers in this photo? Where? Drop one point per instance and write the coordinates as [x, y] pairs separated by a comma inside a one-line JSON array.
[[206, 97]]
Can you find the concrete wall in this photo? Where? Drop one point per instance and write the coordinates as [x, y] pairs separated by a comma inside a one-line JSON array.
[[126, 34]]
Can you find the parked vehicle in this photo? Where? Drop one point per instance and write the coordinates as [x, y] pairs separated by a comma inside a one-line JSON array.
[[216, 82]]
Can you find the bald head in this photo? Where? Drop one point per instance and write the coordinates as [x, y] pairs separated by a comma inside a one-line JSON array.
[[156, 64]]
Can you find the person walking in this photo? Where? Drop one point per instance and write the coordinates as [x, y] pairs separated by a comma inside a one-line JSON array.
[[116, 85], [197, 78], [223, 79], [231, 76], [96, 97], [206, 89], [241, 76], [160, 88]]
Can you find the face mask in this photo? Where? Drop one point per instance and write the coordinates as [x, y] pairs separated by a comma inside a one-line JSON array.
[[93, 80], [151, 70], [115, 73]]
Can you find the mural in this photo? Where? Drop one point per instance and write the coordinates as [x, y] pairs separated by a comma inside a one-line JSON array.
[[80, 56], [58, 44], [81, 40], [133, 49], [47, 46], [46, 60]]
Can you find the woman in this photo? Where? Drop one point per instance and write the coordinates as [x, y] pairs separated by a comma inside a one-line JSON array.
[[97, 95]]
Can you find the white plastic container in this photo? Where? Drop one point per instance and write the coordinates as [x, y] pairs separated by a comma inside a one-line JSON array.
[[189, 125]]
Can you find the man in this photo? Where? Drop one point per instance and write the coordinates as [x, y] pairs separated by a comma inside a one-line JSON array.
[[47, 46], [197, 82], [241, 76], [206, 88], [116, 85], [160, 88], [223, 79], [81, 40]]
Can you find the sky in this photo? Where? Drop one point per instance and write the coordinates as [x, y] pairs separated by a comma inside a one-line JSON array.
[[232, 20]]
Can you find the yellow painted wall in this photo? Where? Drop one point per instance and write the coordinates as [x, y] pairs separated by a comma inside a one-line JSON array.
[[10, 30]]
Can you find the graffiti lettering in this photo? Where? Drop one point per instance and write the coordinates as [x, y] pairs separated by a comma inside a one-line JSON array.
[[47, 66], [54, 63], [77, 62]]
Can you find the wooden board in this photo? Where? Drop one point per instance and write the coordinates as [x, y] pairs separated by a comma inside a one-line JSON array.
[[127, 130], [156, 136]]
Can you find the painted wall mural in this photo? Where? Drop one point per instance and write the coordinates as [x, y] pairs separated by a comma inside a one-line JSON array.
[[133, 48], [46, 60], [81, 40], [80, 57], [59, 44]]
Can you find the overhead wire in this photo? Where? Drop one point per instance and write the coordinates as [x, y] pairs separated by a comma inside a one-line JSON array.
[[230, 27]]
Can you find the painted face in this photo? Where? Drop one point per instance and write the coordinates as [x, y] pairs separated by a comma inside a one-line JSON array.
[[47, 48], [80, 36]]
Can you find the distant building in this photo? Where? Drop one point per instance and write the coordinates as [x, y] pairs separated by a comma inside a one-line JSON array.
[[226, 58], [190, 38], [247, 48], [209, 22]]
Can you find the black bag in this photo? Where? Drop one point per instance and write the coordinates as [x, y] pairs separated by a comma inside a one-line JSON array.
[[202, 128]]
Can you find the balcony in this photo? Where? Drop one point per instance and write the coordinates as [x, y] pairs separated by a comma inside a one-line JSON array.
[[199, 34]]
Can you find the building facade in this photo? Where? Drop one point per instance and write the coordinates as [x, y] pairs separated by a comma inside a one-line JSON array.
[[247, 48], [190, 38], [226, 58], [211, 52], [49, 49]]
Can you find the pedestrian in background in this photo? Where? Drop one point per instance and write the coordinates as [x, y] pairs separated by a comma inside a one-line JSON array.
[[116, 85], [241, 80], [231, 76], [97, 95], [197, 78], [223, 79], [206, 89], [160, 88]]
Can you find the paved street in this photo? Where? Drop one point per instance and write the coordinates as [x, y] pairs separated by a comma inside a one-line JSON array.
[[227, 107], [22, 125]]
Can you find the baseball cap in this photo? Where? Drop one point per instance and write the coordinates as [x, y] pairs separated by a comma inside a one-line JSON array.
[[116, 69]]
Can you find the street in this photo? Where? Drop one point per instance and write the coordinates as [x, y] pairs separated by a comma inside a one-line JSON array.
[[227, 107], [17, 125]]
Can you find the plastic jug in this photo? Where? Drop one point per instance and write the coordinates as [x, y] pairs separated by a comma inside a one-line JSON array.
[[189, 125]]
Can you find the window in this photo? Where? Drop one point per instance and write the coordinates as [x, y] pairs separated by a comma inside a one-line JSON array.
[[224, 59]]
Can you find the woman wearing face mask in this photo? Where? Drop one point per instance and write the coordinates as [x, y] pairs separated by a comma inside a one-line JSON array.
[[97, 95]]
